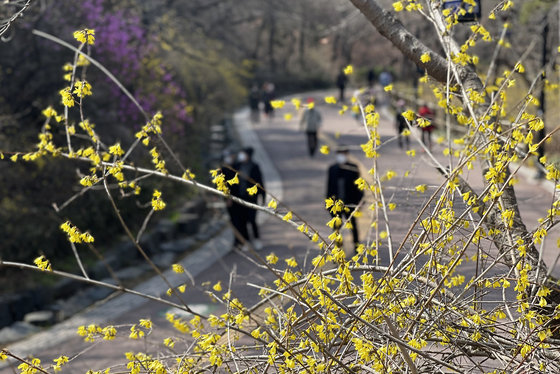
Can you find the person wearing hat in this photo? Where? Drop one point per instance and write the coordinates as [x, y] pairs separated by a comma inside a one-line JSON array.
[[341, 186], [311, 122], [249, 176]]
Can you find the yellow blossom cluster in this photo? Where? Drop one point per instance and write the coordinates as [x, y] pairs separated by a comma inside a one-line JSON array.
[[157, 201], [74, 234], [85, 36]]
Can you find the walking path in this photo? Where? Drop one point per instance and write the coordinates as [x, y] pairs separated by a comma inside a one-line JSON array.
[[299, 182]]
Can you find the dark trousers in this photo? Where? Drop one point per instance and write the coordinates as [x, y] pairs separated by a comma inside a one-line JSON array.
[[238, 216], [311, 142], [355, 236], [252, 221]]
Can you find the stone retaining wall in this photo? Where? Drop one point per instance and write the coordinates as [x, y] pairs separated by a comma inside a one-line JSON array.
[[169, 240]]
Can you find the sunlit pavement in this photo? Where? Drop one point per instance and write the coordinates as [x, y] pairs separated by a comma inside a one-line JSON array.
[[298, 181]]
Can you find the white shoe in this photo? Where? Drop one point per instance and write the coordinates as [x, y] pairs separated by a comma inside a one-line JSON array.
[[257, 245]]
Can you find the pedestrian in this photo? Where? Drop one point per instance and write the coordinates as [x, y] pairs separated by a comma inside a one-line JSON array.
[[426, 123], [401, 124], [341, 186], [268, 96], [249, 176], [236, 211], [254, 103], [311, 122], [341, 81], [370, 78]]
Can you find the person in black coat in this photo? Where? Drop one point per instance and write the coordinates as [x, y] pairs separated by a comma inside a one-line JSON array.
[[341, 81], [401, 125], [235, 211], [254, 103], [341, 186], [249, 175]]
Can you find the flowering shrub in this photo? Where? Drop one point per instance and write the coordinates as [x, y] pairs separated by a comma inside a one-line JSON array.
[[425, 311]]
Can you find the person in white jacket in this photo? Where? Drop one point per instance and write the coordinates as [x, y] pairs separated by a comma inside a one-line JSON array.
[[311, 122]]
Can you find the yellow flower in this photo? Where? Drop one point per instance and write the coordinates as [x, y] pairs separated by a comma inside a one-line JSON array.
[[188, 174], [82, 89], [67, 98], [109, 333], [330, 100], [116, 150], [288, 216], [157, 202], [168, 342], [325, 150], [348, 70], [74, 234], [273, 204], [85, 36], [59, 362], [277, 104], [135, 333], [146, 323], [252, 190], [291, 262], [271, 259], [234, 180], [49, 112], [398, 6], [409, 115], [425, 58], [42, 263], [217, 287], [296, 103], [388, 87], [178, 268], [421, 188]]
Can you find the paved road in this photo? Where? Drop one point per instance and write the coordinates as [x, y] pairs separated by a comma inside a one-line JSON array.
[[299, 181]]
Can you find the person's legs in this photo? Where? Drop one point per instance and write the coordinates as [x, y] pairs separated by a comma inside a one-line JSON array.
[[355, 236], [311, 142], [252, 220], [255, 116], [239, 221], [424, 137], [429, 135]]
